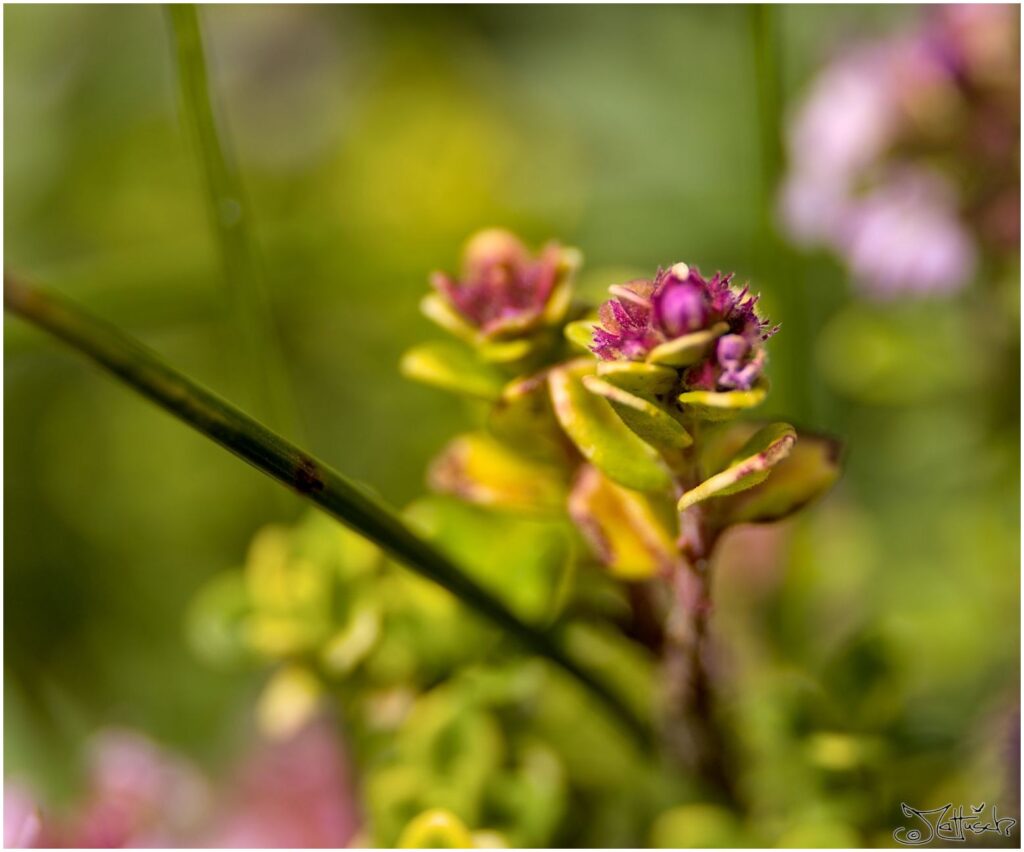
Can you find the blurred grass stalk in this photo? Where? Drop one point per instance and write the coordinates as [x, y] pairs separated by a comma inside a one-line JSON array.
[[259, 353], [343, 499], [777, 261]]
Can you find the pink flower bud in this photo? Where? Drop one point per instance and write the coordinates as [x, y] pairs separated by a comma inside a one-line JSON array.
[[680, 307]]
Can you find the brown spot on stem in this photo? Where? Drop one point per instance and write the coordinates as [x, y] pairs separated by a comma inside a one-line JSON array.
[[308, 478]]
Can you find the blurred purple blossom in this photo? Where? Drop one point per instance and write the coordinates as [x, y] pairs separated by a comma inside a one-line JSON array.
[[905, 236], [292, 793], [502, 287], [139, 794], [23, 825], [903, 156]]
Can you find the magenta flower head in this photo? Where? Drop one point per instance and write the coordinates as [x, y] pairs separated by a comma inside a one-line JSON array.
[[682, 319], [503, 290]]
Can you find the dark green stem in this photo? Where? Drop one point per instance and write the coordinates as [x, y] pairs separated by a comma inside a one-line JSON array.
[[259, 354], [348, 502]]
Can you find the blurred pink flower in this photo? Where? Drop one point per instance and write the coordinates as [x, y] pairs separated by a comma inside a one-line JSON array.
[[503, 288], [906, 236], [294, 793], [847, 120], [868, 142], [139, 795], [23, 825]]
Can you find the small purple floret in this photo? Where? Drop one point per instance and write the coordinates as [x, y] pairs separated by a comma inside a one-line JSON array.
[[739, 374], [731, 349]]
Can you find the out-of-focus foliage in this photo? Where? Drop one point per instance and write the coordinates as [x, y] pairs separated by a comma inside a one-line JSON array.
[[437, 715], [872, 653]]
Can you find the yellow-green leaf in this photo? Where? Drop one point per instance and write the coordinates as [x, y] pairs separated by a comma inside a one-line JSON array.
[[453, 367], [436, 829], [751, 465], [524, 419], [479, 469], [438, 309], [288, 701], [559, 301], [810, 470], [652, 423], [216, 619], [599, 433], [625, 528], [353, 642], [697, 826], [504, 351], [721, 442], [581, 332]]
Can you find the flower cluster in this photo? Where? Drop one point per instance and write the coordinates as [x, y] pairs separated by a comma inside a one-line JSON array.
[[646, 319], [904, 157]]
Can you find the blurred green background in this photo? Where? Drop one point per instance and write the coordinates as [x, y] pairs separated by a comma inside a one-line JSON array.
[[371, 141]]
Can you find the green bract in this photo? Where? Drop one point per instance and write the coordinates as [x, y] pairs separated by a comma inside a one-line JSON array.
[[647, 380], [688, 349], [722, 405]]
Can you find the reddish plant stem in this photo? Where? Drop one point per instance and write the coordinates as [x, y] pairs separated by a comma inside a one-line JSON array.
[[692, 733]]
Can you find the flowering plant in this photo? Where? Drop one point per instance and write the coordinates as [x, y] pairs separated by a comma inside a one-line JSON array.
[[609, 451], [631, 433], [571, 641]]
